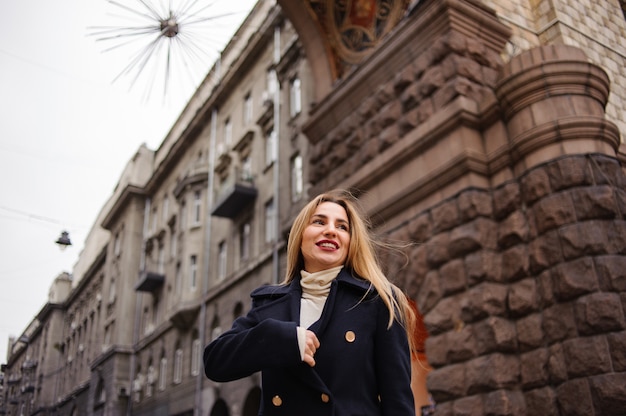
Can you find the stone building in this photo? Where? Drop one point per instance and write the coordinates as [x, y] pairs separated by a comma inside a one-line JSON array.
[[484, 133]]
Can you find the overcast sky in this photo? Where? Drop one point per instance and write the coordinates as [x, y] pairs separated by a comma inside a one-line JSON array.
[[67, 129]]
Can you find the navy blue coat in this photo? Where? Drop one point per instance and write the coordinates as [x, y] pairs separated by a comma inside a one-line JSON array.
[[362, 367]]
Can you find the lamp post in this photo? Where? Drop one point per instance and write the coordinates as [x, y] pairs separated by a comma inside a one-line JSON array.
[[64, 240]]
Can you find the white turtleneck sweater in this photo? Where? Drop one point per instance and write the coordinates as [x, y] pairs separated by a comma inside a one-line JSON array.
[[315, 289]]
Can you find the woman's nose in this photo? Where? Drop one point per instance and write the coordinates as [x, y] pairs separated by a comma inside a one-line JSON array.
[[330, 229]]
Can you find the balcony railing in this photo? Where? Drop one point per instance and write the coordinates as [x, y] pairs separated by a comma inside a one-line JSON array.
[[149, 281], [235, 194]]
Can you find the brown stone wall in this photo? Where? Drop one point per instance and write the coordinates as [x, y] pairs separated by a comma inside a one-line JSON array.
[[522, 288]]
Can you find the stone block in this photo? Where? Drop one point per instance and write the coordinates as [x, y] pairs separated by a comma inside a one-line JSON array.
[[617, 350], [534, 368], [559, 322], [468, 406], [506, 199], [447, 383], [437, 250], [535, 185], [472, 236], [443, 316], [616, 232], [483, 265], [574, 398], [598, 313], [474, 203], [495, 334], [544, 252], [437, 349], [608, 393], [545, 288], [513, 230], [586, 356], [553, 211], [607, 171], [523, 297], [530, 332], [403, 79], [569, 172], [461, 345], [420, 228], [595, 202], [429, 293], [483, 300], [445, 216], [505, 402], [574, 278], [452, 275], [541, 401], [556, 364], [515, 263], [586, 238], [492, 372]]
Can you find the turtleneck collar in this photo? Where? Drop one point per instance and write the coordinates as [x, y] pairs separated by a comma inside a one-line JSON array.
[[318, 283]]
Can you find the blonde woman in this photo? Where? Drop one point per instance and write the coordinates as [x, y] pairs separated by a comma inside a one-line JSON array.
[[331, 339]]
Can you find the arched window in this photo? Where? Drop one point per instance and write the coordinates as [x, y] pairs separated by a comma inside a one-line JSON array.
[[178, 363], [252, 403], [219, 408]]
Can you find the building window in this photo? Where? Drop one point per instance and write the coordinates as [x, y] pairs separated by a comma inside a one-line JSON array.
[[161, 260], [271, 82], [297, 185], [173, 241], [295, 97], [155, 220], [197, 207], [166, 208], [162, 374], [228, 135], [196, 352], [112, 290], [246, 169], [244, 241], [178, 280], [221, 260], [117, 249], [193, 272], [270, 147], [247, 109], [178, 365], [269, 221], [183, 215]]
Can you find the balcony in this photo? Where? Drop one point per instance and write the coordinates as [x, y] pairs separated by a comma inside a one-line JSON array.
[[149, 281], [184, 315], [236, 193]]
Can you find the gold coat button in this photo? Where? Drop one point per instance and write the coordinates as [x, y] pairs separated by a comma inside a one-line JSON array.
[[350, 336], [277, 401], [325, 398]]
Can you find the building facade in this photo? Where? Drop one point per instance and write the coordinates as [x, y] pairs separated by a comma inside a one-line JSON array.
[[484, 133]]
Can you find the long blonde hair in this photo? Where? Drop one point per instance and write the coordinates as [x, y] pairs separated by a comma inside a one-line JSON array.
[[361, 258]]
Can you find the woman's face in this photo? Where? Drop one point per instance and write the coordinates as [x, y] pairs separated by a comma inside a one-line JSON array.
[[326, 238]]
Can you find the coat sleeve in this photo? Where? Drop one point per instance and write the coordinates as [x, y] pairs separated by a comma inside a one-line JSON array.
[[251, 345], [393, 367]]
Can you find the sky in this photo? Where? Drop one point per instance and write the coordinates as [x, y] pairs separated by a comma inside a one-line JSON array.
[[72, 116]]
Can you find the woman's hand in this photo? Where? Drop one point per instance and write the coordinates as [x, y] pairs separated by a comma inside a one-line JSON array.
[[312, 344]]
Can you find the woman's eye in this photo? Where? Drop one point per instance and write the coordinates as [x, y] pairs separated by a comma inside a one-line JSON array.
[[318, 222]]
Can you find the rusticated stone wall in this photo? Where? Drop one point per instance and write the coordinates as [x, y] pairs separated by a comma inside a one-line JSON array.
[[523, 290]]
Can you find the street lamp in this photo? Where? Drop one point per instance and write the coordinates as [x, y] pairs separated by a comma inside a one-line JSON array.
[[64, 240]]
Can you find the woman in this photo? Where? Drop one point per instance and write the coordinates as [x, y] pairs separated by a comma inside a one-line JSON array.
[[330, 340]]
